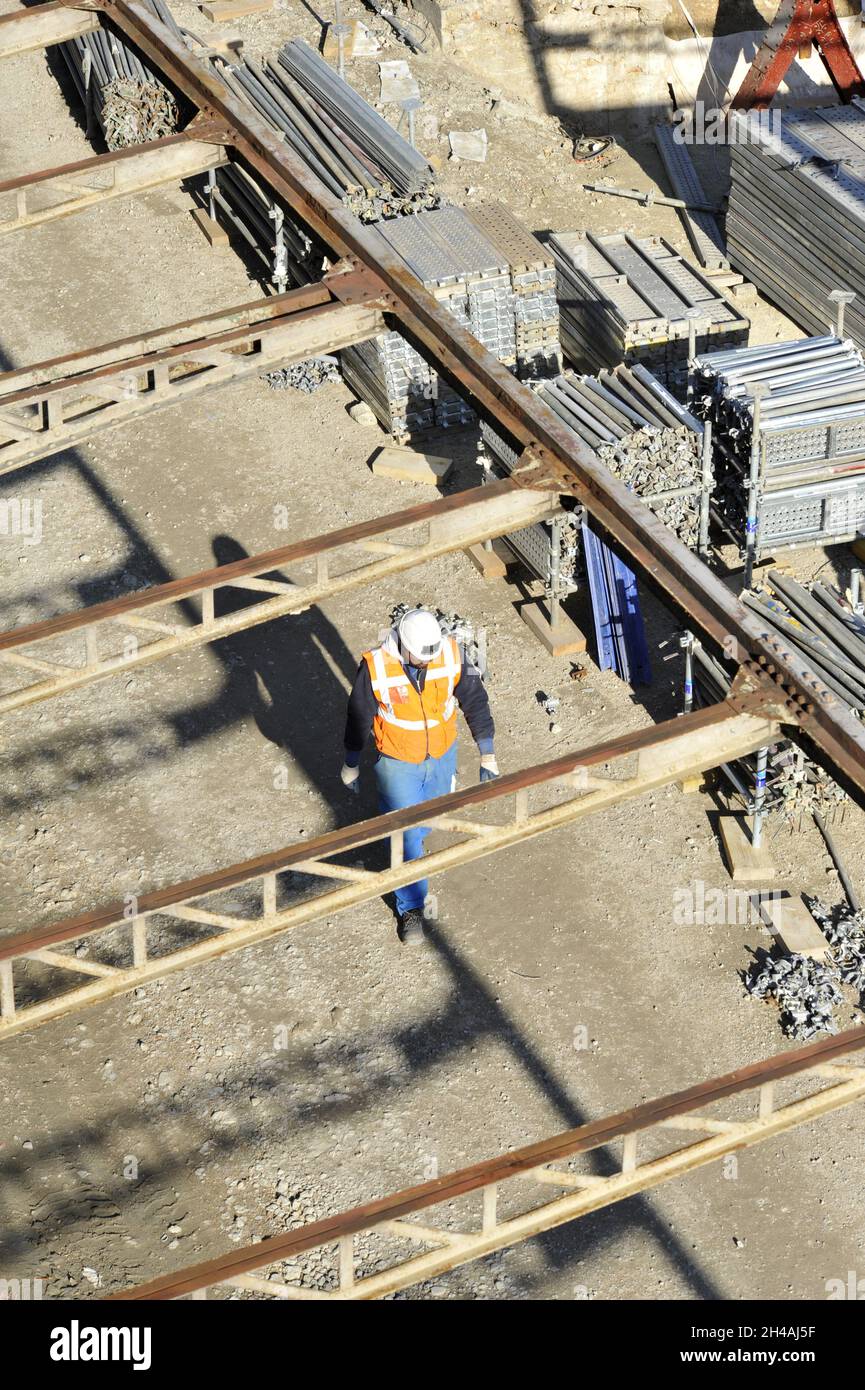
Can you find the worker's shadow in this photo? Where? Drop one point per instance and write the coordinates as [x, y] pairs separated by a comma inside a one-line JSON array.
[[293, 675]]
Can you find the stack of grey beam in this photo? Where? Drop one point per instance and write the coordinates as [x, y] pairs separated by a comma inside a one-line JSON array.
[[645, 438], [796, 216], [810, 470], [471, 277], [355, 153], [129, 101], [630, 299]]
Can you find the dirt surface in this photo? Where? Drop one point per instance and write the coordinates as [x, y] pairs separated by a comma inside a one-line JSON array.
[[332, 1066]]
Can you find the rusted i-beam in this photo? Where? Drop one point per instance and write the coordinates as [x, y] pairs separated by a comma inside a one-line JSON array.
[[543, 1164]]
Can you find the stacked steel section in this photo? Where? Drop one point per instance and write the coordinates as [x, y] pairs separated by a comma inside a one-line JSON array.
[[632, 299], [128, 100], [798, 477], [643, 435], [796, 218], [355, 152]]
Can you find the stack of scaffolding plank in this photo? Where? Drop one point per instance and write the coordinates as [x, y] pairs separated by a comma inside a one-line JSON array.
[[796, 218], [630, 299], [809, 483], [452, 257], [533, 282]]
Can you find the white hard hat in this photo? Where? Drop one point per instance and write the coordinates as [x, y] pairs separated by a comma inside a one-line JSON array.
[[420, 634]]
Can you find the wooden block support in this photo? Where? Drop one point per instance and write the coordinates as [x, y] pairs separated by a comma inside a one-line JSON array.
[[746, 864], [563, 639], [794, 927], [492, 563], [218, 10], [411, 467], [215, 234], [858, 548]]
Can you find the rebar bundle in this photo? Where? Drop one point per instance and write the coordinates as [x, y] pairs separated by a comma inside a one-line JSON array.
[[129, 101], [796, 218], [796, 463], [631, 299], [360, 158]]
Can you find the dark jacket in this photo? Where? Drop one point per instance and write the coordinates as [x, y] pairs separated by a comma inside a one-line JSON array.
[[470, 693]]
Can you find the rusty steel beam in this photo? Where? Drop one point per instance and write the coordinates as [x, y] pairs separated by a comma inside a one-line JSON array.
[[24, 30], [42, 419], [540, 1163], [87, 183], [451, 523], [706, 602], [797, 25], [578, 784]]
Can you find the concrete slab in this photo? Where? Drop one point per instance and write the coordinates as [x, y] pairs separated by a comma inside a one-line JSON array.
[[746, 864]]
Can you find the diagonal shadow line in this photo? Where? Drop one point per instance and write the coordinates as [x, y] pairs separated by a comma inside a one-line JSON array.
[[472, 1013], [603, 1160]]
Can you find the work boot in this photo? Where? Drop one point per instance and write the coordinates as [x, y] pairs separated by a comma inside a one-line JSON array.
[[411, 928]]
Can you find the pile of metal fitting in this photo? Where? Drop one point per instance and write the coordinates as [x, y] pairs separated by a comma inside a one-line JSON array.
[[343, 140], [306, 376], [471, 277], [643, 435], [634, 299], [795, 786], [128, 100], [796, 218], [789, 431], [807, 991]]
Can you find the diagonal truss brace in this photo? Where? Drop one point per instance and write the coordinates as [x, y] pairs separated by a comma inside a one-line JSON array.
[[135, 631], [44, 417], [521, 1178], [563, 791], [797, 25], [33, 199]]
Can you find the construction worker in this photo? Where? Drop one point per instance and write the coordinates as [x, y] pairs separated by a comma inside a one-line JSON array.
[[406, 691]]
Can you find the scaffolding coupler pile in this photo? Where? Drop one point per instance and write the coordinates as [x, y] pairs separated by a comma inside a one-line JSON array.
[[128, 100]]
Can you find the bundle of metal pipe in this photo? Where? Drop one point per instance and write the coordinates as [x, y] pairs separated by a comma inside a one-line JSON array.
[[633, 299], [642, 434], [796, 217], [129, 101], [791, 468], [355, 152], [831, 639]]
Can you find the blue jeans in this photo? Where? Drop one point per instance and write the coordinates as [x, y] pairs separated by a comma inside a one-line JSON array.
[[407, 784]]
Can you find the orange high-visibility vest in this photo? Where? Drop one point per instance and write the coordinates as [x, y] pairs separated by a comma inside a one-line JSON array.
[[408, 725]]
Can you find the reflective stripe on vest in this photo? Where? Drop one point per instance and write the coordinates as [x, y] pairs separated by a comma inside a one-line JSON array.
[[397, 735]]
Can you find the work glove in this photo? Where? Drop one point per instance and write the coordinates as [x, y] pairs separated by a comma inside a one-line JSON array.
[[350, 777], [489, 768]]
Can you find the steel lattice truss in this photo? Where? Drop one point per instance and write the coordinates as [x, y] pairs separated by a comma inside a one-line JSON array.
[[51, 405]]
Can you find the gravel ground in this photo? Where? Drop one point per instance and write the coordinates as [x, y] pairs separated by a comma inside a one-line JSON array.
[[331, 1066]]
